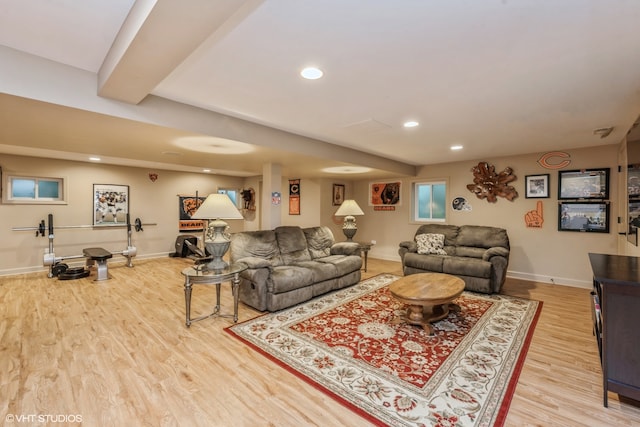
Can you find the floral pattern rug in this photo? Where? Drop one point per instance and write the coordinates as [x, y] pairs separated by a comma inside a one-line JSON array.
[[395, 374]]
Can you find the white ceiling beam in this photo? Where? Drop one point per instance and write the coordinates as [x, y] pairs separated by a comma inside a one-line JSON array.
[[157, 36]]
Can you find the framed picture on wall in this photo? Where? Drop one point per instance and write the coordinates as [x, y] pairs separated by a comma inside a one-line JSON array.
[[583, 216], [536, 186], [384, 193], [110, 204], [338, 194]]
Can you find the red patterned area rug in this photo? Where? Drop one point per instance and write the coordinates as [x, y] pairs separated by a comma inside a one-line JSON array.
[[347, 344]]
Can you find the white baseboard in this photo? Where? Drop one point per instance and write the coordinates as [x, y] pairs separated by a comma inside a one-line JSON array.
[[78, 263], [587, 284]]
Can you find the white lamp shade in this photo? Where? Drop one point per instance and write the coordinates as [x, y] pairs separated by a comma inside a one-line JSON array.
[[349, 208], [217, 206]]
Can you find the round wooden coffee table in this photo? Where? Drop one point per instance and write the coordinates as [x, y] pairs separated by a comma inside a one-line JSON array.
[[429, 297]]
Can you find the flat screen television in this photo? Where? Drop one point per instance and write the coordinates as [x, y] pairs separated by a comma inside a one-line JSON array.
[[583, 216], [584, 184]]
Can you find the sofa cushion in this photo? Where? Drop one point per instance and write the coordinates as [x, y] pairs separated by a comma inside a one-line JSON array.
[[430, 244], [470, 252], [319, 241], [293, 244], [343, 264], [464, 266], [424, 262], [260, 244], [285, 278], [320, 271], [482, 236], [450, 232]]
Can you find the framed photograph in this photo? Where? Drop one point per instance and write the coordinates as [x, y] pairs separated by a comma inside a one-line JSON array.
[[583, 216], [583, 184], [536, 186], [111, 204], [338, 194], [385, 194]]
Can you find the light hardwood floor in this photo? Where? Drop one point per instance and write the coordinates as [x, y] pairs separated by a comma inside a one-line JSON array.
[[117, 353]]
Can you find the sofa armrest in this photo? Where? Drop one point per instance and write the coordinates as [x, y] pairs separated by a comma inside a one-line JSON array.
[[409, 245], [255, 262], [345, 248], [495, 251]]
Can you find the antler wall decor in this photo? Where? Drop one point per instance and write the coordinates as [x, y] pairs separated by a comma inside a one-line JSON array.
[[487, 184]]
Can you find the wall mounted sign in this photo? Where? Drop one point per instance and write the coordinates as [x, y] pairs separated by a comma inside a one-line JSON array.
[[275, 198], [294, 197], [547, 160], [534, 219], [461, 204], [187, 206]]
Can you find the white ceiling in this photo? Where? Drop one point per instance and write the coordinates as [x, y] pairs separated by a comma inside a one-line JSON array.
[[500, 77]]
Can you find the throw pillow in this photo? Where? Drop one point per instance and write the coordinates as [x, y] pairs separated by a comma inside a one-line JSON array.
[[430, 244]]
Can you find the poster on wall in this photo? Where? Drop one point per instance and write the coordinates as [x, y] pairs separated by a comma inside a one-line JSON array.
[[384, 195], [294, 197], [188, 205], [111, 204]]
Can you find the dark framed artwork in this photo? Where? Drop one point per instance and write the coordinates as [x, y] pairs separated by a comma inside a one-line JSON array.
[[583, 184], [536, 186], [111, 204], [385, 193], [187, 206], [583, 216], [338, 194]]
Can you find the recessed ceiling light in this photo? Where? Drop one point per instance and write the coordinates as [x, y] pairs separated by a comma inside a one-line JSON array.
[[311, 73], [206, 170], [95, 159], [456, 147], [411, 124]]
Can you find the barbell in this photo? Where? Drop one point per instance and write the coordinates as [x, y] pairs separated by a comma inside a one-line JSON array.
[[41, 227]]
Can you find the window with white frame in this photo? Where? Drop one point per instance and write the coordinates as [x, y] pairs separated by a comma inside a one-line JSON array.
[[21, 189], [429, 200], [233, 194]]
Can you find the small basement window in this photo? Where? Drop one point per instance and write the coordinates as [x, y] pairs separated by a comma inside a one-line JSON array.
[[21, 189]]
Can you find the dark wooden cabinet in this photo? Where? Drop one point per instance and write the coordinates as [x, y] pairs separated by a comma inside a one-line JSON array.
[[616, 316]]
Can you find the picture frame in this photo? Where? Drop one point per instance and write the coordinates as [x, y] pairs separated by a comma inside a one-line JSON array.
[[338, 194], [536, 186], [385, 194], [110, 205], [584, 184], [582, 216]]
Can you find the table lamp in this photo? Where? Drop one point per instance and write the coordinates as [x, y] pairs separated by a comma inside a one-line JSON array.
[[215, 209], [348, 209]]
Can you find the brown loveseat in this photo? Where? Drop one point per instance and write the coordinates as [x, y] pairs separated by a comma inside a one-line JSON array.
[[290, 265], [479, 255]]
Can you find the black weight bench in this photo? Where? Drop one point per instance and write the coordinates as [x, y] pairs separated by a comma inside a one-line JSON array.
[[98, 256]]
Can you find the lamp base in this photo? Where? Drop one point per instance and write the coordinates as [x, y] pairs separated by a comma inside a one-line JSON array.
[[349, 227], [217, 243]]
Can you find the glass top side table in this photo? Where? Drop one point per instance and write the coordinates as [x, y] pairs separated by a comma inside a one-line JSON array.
[[203, 276]]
